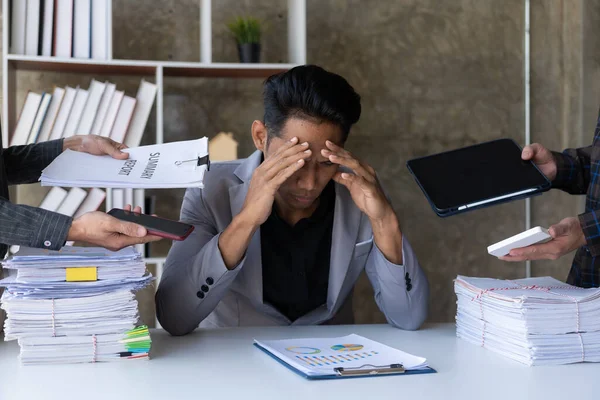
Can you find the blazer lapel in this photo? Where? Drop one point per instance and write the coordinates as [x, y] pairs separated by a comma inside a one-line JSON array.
[[346, 223], [250, 284]]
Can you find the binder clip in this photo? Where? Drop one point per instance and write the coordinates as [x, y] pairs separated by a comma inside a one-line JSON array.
[[205, 160], [373, 370]]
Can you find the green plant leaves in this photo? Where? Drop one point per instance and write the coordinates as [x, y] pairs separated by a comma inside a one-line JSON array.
[[245, 30]]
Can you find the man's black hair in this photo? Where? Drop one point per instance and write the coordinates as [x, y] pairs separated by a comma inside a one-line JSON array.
[[312, 93]]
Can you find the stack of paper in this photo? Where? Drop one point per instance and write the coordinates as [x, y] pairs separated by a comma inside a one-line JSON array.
[[35, 266], [536, 321], [171, 165], [132, 344], [75, 305]]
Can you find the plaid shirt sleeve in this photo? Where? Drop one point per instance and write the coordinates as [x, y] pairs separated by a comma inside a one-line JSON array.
[[24, 164], [33, 227], [572, 170], [591, 229]]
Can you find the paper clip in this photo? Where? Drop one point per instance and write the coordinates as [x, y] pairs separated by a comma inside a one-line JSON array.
[[374, 370], [198, 160]]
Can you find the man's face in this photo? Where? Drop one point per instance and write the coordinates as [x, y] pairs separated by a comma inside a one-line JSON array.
[[304, 187]]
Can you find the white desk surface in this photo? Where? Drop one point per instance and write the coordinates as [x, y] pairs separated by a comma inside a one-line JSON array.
[[223, 364]]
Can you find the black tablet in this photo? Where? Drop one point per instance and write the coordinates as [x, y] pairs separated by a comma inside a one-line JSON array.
[[477, 176]]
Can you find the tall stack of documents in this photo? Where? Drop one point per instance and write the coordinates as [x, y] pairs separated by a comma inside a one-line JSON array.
[[536, 321], [75, 305]]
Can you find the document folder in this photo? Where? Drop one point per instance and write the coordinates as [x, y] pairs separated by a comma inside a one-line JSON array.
[[351, 356]]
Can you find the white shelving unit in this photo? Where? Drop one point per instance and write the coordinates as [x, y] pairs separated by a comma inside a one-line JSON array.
[[12, 63]]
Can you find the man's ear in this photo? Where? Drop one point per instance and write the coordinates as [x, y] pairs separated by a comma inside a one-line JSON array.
[[259, 135]]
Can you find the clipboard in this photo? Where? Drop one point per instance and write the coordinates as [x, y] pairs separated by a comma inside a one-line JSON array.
[[366, 371], [477, 176]]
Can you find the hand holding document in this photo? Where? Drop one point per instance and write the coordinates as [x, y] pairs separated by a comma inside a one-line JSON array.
[[171, 165]]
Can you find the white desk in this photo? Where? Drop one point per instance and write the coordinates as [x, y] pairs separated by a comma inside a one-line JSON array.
[[223, 364]]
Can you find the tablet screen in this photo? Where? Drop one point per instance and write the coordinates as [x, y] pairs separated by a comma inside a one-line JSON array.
[[471, 174]]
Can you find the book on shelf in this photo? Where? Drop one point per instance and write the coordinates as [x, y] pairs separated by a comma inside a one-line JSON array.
[[53, 199], [32, 27], [39, 117], [92, 202], [118, 198], [76, 112], [111, 113], [123, 119], [47, 29], [63, 113], [26, 119], [101, 110], [144, 101], [82, 29], [72, 202], [100, 34], [18, 17], [61, 28], [95, 92], [51, 114], [105, 102]]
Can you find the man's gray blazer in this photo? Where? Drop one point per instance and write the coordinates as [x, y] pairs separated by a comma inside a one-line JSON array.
[[196, 287]]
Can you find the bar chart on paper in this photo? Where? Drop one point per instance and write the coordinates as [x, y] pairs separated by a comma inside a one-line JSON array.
[[335, 360]]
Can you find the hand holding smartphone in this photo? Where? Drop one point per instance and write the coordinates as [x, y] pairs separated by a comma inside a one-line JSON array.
[[523, 239], [162, 227]]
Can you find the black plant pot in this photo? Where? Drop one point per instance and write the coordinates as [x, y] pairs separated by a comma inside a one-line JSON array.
[[249, 52]]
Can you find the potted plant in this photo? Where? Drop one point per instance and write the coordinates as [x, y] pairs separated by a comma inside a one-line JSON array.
[[246, 32]]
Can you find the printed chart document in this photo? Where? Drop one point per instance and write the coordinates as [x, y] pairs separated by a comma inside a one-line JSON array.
[[171, 165], [342, 357]]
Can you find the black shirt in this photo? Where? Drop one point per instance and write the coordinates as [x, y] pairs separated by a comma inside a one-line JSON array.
[[295, 259]]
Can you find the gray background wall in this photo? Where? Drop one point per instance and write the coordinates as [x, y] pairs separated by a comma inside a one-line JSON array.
[[433, 75]]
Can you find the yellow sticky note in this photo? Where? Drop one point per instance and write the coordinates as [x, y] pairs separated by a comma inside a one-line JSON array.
[[80, 274]]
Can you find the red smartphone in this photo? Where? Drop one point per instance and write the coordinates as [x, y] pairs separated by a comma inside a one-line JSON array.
[[162, 227]]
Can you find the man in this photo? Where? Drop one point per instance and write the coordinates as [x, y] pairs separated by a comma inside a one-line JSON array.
[[282, 236], [576, 172], [34, 227]]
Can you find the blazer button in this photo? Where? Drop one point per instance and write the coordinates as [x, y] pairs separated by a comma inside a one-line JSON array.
[[204, 288], [406, 276], [210, 280], [200, 294], [408, 287]]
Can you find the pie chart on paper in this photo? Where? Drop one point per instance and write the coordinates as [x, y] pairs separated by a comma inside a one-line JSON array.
[[347, 347], [303, 350]]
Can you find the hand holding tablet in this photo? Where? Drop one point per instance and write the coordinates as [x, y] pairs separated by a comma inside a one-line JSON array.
[[477, 176]]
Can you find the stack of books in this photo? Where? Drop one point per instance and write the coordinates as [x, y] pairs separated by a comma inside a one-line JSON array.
[[61, 28], [75, 305], [536, 321], [99, 110]]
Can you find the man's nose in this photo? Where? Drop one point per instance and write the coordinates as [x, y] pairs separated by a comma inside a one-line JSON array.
[[307, 178]]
